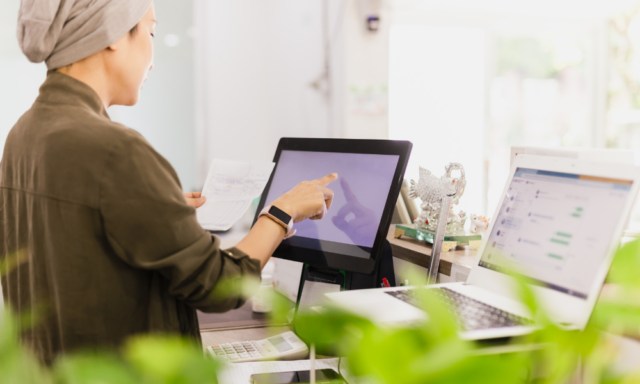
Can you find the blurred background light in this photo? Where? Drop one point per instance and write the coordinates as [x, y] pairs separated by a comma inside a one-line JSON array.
[[171, 40]]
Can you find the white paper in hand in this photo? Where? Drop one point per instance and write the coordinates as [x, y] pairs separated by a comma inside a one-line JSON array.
[[230, 187]]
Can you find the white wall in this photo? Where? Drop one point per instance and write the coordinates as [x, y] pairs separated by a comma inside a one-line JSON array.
[[545, 8], [165, 114], [19, 79], [366, 74], [256, 60]]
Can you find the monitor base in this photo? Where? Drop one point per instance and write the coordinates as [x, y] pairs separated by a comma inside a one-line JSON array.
[[351, 280]]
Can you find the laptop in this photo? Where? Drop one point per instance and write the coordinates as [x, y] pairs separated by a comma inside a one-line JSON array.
[[558, 223]]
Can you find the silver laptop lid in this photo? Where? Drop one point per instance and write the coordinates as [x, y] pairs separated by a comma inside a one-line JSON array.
[[558, 228]]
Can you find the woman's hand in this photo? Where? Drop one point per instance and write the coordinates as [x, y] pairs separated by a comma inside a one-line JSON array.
[[195, 199], [308, 200]]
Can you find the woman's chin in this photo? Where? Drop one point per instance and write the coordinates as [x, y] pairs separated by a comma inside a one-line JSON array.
[[130, 101]]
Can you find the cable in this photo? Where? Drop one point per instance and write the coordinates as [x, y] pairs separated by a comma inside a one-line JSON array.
[[337, 27], [329, 35]]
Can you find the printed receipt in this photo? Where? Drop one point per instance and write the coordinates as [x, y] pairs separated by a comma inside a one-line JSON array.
[[230, 188], [234, 373]]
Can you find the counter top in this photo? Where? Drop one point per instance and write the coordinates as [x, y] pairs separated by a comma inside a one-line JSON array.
[[419, 252]]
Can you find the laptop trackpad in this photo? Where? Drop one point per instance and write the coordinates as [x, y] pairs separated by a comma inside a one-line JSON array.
[[378, 306]]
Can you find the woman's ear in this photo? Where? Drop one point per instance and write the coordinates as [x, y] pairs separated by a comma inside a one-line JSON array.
[[114, 47], [118, 44]]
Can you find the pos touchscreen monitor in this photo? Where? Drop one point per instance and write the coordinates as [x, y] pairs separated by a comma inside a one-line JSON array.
[[370, 174]]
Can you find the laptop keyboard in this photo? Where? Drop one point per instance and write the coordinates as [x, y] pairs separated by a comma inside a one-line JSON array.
[[472, 314]]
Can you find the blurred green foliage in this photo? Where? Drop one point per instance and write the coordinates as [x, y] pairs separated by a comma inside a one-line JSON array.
[[529, 56], [149, 359], [430, 353], [434, 353], [537, 58]]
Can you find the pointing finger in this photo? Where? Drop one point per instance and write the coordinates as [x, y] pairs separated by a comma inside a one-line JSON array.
[[330, 178]]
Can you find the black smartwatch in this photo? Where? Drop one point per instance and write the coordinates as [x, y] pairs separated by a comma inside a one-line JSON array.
[[281, 217]]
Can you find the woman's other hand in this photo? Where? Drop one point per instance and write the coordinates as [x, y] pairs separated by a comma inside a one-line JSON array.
[[308, 200], [195, 199]]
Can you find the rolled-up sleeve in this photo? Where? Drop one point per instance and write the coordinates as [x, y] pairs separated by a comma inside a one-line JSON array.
[[150, 226]]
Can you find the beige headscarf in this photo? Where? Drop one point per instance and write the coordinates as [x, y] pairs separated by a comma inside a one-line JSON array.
[[61, 32]]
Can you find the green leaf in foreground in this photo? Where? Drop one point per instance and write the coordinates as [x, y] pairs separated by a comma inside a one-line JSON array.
[[170, 360], [94, 369], [17, 364]]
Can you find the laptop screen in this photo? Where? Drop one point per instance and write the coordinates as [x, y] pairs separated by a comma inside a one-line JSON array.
[[556, 228], [360, 195]]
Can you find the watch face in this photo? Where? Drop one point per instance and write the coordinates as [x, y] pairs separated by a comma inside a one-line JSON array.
[[279, 214]]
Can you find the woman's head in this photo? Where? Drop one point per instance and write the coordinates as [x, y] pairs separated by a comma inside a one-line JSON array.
[[128, 61], [105, 43]]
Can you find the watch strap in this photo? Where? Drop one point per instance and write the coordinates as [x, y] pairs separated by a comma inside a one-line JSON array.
[[273, 215]]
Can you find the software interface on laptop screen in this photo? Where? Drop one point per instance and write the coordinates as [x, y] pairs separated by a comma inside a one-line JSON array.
[[556, 228], [360, 194]]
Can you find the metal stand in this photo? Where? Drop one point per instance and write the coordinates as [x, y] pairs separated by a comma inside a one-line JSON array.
[[322, 275], [347, 280], [438, 239], [350, 280]]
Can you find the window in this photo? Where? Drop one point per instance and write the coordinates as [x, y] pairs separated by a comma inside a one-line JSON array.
[[467, 91], [539, 96], [436, 100]]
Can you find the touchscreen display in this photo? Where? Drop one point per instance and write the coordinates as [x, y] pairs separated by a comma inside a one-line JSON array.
[[556, 228], [360, 194]]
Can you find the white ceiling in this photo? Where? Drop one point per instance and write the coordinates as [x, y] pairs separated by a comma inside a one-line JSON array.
[[552, 8]]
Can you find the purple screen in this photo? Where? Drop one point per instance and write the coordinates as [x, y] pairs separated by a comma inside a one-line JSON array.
[[360, 193]]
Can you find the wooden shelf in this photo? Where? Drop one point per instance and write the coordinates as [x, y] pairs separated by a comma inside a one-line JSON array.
[[419, 252]]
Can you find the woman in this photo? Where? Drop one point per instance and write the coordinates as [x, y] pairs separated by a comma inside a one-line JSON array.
[[103, 243]]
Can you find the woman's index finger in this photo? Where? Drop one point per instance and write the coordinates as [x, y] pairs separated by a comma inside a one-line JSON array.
[[330, 178]]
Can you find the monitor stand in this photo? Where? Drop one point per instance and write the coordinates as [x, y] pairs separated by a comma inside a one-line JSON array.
[[350, 280]]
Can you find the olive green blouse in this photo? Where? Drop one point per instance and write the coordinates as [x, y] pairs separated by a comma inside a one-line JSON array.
[[100, 238]]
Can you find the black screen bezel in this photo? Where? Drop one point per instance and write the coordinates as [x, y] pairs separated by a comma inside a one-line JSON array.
[[323, 259]]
